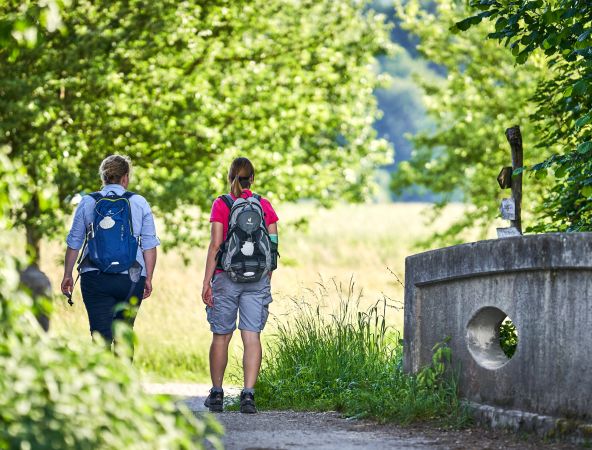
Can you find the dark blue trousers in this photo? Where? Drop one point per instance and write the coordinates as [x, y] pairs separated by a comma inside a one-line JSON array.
[[104, 294]]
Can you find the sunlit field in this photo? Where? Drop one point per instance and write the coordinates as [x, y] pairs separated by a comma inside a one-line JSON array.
[[360, 242]]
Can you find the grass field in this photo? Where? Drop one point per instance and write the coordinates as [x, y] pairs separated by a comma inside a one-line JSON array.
[[349, 241]]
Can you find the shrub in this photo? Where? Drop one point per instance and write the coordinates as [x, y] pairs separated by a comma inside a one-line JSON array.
[[350, 361], [58, 394], [508, 337]]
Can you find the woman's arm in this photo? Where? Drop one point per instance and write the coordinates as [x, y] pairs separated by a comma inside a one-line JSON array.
[[273, 228], [74, 242], [216, 235], [150, 261], [69, 261], [149, 242]]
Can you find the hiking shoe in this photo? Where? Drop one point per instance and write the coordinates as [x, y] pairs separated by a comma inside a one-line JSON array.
[[215, 401], [247, 403]]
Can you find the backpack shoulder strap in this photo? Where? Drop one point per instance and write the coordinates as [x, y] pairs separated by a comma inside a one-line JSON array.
[[96, 196], [127, 195], [257, 196], [227, 199]]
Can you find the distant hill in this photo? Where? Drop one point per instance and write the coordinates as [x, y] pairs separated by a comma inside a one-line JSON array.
[[401, 103]]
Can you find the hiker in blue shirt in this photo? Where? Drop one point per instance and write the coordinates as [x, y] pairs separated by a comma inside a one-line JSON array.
[[105, 287]]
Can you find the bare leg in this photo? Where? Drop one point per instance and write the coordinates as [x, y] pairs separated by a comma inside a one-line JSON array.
[[251, 357], [219, 357]]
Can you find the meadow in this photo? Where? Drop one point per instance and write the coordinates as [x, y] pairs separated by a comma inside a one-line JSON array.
[[366, 244]]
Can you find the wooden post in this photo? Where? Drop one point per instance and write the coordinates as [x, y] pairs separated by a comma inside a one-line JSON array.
[[515, 140]]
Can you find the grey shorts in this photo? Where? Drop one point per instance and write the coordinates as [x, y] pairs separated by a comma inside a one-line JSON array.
[[250, 300]]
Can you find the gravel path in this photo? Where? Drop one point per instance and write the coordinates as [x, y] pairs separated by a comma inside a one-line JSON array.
[[275, 430]]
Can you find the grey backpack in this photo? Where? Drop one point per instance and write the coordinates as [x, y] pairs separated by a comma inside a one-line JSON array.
[[246, 254]]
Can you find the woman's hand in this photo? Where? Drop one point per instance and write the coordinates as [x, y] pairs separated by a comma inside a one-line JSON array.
[[147, 288], [206, 294], [67, 284]]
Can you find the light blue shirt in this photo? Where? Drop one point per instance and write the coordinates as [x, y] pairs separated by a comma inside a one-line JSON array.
[[142, 222]]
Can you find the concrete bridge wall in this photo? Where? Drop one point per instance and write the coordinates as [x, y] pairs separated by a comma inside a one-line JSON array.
[[543, 283]]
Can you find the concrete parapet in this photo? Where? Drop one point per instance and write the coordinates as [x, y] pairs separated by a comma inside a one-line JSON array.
[[543, 283]]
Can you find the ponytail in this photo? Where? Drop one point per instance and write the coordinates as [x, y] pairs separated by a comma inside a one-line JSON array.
[[240, 176], [235, 187]]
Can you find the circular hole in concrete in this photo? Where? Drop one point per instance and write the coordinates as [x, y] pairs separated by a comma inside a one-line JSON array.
[[491, 337]]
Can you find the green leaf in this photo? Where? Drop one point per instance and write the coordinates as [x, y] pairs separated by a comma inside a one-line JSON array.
[[551, 41], [585, 147], [580, 88], [587, 191], [529, 38], [515, 49], [560, 172], [584, 120], [585, 35], [501, 23], [464, 25], [522, 57]]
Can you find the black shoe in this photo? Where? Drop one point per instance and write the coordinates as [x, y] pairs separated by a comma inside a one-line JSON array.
[[215, 401], [247, 403]]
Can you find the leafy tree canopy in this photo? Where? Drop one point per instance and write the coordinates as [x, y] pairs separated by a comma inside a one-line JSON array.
[[482, 95], [22, 21], [183, 88], [561, 31]]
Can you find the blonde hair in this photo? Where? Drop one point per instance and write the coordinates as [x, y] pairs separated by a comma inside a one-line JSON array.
[[113, 168], [240, 176]]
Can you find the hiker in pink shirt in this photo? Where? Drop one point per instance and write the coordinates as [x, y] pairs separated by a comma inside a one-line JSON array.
[[237, 281]]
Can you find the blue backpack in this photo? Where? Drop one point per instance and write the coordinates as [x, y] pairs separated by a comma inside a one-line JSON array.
[[112, 246]]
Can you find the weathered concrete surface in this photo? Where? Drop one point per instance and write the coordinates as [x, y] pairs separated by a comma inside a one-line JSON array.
[[543, 283], [543, 426]]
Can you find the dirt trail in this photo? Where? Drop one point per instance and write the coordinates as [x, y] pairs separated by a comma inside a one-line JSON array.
[[328, 431]]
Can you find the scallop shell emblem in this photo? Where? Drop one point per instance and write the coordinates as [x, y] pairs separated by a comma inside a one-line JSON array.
[[107, 223]]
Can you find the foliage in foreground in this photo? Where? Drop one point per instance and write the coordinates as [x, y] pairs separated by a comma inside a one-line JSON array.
[[71, 394], [351, 362]]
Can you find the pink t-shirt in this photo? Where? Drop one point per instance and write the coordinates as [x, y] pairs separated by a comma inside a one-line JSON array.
[[221, 213]]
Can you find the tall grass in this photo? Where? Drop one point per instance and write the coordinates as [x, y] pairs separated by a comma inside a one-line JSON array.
[[350, 361]]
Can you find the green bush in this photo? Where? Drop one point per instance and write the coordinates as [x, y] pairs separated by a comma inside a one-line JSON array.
[[350, 361], [57, 394], [508, 337]]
